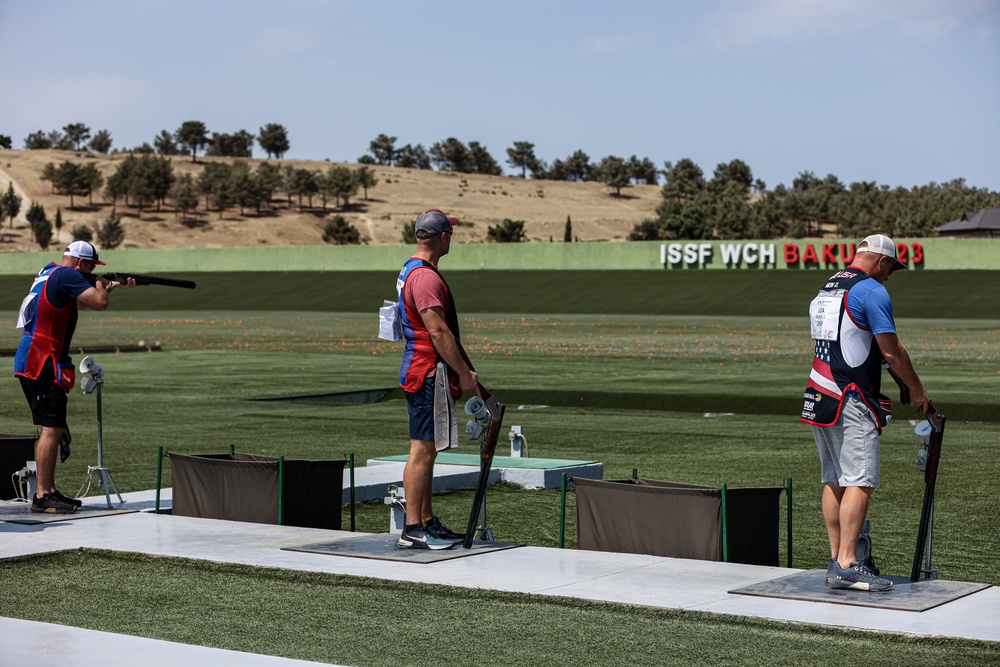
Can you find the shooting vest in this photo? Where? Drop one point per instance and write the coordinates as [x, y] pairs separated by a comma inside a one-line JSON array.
[[419, 355], [47, 333], [847, 358]]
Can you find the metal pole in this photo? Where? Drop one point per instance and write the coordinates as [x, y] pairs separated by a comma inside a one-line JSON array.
[[100, 438], [788, 499], [725, 542], [352, 492], [159, 477], [281, 490], [562, 514]]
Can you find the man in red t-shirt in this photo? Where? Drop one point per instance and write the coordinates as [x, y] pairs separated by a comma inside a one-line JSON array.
[[435, 371]]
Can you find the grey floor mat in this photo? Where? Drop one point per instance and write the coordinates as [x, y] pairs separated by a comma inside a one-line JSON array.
[[905, 595], [20, 512], [382, 546]]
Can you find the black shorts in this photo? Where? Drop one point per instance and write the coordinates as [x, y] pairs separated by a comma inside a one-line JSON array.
[[46, 399]]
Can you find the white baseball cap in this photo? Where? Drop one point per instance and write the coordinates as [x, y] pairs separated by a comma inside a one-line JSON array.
[[83, 250], [882, 245]]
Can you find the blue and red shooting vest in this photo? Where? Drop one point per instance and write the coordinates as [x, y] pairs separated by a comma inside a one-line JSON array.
[[419, 356], [48, 331], [847, 357]]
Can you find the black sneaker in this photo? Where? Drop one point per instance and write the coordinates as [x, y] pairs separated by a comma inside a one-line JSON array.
[[421, 538], [859, 578], [438, 529], [72, 501], [52, 503]]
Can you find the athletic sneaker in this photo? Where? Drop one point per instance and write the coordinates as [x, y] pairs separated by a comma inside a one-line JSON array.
[[73, 501], [438, 529], [858, 577], [52, 503], [832, 569], [421, 538]]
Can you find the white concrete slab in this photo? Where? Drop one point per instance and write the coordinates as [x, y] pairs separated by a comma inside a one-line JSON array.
[[625, 578], [33, 643]]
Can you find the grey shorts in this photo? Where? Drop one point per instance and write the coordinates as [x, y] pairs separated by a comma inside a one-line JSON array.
[[849, 450]]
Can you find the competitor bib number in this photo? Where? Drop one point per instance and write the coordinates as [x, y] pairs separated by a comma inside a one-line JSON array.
[[824, 315]]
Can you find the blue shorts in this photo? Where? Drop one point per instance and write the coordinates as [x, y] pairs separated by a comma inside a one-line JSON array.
[[421, 407]]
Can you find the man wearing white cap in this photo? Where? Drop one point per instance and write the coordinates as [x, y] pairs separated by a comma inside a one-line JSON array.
[[852, 324], [42, 363]]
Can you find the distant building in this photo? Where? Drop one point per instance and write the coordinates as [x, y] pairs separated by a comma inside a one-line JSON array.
[[981, 224]]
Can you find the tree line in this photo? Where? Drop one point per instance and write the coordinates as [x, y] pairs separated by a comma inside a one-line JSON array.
[[191, 137], [148, 180], [144, 181], [723, 207], [451, 154], [729, 204]]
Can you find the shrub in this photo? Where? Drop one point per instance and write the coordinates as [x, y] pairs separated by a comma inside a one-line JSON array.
[[82, 233], [110, 233], [340, 232]]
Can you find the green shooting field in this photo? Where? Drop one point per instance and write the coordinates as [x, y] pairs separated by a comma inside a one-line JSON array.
[[626, 365]]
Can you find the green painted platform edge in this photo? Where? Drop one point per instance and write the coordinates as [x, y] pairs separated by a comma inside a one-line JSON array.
[[498, 461]]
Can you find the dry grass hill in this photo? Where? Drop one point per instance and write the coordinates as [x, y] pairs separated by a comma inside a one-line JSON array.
[[399, 196]]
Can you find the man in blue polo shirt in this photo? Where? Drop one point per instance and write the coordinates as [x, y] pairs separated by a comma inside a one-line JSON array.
[[42, 363], [854, 331]]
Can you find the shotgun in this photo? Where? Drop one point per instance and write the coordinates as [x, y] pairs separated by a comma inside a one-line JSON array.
[[142, 279]]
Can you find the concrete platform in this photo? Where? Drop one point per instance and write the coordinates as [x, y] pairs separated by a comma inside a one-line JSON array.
[[626, 578], [528, 472], [371, 482]]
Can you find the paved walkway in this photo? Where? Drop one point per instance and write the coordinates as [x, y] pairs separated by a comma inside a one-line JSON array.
[[626, 578]]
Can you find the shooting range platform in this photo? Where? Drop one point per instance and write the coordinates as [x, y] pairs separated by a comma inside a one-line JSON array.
[[905, 595], [383, 547], [20, 512], [531, 473], [634, 579]]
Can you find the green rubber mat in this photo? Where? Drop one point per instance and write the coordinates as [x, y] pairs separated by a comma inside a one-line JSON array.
[[498, 461]]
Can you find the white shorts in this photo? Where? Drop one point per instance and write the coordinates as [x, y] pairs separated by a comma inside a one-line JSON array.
[[849, 449]]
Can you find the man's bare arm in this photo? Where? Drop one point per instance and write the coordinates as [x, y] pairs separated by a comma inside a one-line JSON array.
[[449, 348], [899, 362]]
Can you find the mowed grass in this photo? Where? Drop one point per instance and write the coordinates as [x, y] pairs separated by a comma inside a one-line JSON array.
[[629, 391], [359, 621], [639, 380]]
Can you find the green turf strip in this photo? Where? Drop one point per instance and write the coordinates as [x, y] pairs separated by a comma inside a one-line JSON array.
[[368, 622], [926, 294], [526, 463]]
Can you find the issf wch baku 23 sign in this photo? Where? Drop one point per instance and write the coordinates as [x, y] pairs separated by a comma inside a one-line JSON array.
[[755, 254]]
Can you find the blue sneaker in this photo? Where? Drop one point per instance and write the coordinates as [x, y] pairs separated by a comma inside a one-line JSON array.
[[832, 569], [857, 577], [421, 538]]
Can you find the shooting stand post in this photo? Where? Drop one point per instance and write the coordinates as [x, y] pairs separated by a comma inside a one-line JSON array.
[[487, 414], [95, 383], [925, 530]]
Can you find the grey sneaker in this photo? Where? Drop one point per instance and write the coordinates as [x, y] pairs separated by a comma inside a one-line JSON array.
[[858, 577], [421, 538]]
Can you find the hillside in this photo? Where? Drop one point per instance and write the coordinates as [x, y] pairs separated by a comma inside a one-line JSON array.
[[400, 195]]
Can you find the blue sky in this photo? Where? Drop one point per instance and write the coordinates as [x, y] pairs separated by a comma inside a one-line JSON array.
[[901, 92]]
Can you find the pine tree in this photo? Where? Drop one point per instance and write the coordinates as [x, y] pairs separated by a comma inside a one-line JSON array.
[[568, 235]]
